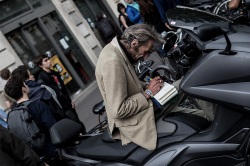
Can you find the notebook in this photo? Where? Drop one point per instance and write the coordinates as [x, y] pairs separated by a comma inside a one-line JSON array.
[[166, 93]]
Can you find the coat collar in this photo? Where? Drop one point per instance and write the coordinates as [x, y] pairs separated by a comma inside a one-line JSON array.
[[116, 44]]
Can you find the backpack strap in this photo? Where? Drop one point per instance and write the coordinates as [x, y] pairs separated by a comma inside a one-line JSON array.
[[53, 94], [22, 105], [25, 105]]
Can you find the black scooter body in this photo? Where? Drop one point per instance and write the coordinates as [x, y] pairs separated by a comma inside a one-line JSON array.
[[222, 79], [183, 139]]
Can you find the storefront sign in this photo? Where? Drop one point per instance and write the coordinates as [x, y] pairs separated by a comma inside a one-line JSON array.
[[58, 66]]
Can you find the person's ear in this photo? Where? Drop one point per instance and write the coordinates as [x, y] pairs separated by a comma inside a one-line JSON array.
[[41, 66], [24, 89], [134, 43]]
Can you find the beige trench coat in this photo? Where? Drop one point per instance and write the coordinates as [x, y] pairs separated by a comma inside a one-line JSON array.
[[126, 107]]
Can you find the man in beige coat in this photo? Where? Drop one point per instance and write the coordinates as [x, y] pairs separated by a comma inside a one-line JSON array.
[[127, 100]]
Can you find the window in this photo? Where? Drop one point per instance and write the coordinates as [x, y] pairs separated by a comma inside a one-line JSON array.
[[12, 8]]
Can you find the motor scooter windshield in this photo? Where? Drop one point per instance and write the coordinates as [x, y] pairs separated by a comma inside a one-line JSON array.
[[189, 18]]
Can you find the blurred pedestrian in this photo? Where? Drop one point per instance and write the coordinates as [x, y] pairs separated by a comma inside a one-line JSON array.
[[133, 11], [40, 92], [107, 28], [17, 89], [150, 15], [14, 152], [163, 6], [5, 75], [53, 80], [124, 21], [233, 4]]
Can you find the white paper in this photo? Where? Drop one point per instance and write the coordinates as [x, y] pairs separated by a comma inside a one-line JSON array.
[[64, 43], [166, 93]]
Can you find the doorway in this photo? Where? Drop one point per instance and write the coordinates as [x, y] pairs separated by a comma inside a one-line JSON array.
[[48, 35]]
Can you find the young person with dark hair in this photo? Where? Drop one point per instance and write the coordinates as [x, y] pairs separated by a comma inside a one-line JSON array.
[[40, 92], [18, 90], [53, 80], [123, 17], [5, 74]]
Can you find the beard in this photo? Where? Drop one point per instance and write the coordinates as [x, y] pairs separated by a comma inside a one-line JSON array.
[[137, 57]]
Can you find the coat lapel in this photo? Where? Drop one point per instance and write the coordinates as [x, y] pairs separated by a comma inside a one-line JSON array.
[[129, 65]]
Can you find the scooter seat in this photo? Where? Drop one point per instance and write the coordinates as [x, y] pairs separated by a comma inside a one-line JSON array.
[[99, 108], [104, 147], [95, 148]]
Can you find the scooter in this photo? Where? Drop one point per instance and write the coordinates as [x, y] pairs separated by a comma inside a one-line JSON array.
[[220, 76]]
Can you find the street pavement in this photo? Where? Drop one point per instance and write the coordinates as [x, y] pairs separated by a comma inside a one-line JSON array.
[[84, 104]]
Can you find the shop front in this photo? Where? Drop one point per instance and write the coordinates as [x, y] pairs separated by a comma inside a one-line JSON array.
[[34, 27]]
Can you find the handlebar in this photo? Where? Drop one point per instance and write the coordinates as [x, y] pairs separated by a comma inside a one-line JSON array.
[[178, 34]]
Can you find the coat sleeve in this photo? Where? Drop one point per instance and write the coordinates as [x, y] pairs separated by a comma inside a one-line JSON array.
[[115, 84], [43, 114]]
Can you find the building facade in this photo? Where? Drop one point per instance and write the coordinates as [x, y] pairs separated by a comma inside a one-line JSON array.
[[62, 29]]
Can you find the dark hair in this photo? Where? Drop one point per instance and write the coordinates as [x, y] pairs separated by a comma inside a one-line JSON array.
[[39, 59], [99, 16], [21, 71], [13, 87], [146, 6], [119, 7], [5, 74]]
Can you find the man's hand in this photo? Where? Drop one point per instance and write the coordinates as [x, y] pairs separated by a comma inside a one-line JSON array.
[[154, 86], [73, 105], [166, 24]]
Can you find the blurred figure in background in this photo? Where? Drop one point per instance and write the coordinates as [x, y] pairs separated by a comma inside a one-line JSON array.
[[133, 11], [150, 15], [53, 80], [40, 92], [233, 4], [5, 75], [124, 21], [107, 28], [14, 152], [18, 90], [163, 6]]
